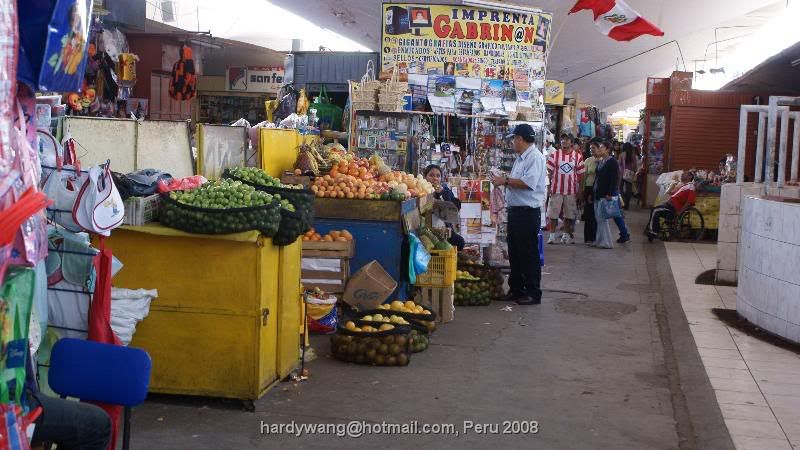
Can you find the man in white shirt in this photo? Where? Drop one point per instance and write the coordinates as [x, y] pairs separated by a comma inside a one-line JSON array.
[[526, 190]]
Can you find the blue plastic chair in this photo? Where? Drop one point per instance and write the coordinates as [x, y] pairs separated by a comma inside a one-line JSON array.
[[92, 371]]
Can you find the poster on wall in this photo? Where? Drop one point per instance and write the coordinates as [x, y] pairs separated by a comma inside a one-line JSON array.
[[463, 40], [553, 92]]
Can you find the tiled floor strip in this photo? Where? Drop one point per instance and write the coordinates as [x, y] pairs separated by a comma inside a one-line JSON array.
[[757, 384]]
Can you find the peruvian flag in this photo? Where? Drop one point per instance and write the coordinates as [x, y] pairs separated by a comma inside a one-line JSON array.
[[617, 20]]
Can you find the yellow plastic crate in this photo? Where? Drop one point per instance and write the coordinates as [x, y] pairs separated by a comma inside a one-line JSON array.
[[441, 269]]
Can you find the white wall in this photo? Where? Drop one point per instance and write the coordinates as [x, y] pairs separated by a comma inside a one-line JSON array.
[[769, 280]]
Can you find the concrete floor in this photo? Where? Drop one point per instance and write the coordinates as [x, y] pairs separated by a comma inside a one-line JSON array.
[[605, 369]]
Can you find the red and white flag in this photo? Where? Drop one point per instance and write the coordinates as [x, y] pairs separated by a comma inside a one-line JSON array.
[[617, 20]]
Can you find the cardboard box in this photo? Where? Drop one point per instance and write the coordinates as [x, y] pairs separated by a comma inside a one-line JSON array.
[[369, 287]]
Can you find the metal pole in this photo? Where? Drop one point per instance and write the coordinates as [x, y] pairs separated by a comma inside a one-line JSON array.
[[795, 148], [762, 124], [742, 144], [782, 148]]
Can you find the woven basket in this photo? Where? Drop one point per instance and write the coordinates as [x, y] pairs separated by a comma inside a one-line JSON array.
[[391, 107], [363, 96], [391, 98], [361, 106]]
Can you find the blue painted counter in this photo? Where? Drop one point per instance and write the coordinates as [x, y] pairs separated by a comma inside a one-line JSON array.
[[378, 241], [382, 239]]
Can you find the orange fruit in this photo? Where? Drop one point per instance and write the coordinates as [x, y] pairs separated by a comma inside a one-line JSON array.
[[327, 238], [346, 234], [335, 234], [298, 171], [341, 239]]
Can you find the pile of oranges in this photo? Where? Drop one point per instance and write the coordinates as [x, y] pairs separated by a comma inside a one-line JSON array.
[[332, 236], [350, 179]]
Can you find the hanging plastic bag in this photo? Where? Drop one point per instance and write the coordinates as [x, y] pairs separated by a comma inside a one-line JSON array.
[[63, 187], [418, 258], [99, 208], [30, 244], [329, 115], [8, 79], [17, 300], [53, 49]]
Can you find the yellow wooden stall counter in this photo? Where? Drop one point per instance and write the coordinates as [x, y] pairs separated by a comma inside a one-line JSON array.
[[226, 320]]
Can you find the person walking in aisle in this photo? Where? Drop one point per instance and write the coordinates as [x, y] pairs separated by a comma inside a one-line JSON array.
[[525, 196], [606, 188], [589, 220], [627, 169], [565, 167]]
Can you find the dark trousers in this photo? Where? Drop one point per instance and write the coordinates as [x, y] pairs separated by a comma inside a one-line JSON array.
[[524, 224], [70, 425], [626, 191], [665, 210], [589, 220]]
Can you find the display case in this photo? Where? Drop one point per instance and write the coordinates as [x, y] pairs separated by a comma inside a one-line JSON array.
[[386, 133]]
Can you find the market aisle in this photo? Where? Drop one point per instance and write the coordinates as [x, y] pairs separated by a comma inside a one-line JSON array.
[[755, 382], [589, 368]]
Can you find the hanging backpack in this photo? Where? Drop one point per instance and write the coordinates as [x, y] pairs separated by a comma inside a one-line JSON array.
[[183, 82]]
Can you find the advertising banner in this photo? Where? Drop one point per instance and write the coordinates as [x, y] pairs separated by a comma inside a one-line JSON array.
[[465, 41], [254, 79]]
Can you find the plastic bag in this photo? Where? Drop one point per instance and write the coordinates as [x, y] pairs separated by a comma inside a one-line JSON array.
[[63, 188], [53, 49], [30, 244], [418, 262], [322, 314], [180, 184], [329, 115], [129, 307], [609, 209], [8, 79], [99, 207], [15, 313]]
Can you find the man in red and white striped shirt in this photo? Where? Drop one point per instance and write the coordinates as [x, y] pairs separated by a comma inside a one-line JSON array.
[[566, 169]]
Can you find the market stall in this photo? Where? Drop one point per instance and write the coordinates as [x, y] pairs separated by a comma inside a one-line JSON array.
[[240, 289]]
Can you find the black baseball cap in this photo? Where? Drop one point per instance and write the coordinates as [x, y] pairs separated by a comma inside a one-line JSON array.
[[524, 131]]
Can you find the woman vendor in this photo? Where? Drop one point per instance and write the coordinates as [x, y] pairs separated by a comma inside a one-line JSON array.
[[433, 174]]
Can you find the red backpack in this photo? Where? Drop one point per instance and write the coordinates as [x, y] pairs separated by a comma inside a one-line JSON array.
[[183, 82]]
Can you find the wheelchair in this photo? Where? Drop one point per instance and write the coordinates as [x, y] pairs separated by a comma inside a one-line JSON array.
[[689, 226]]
